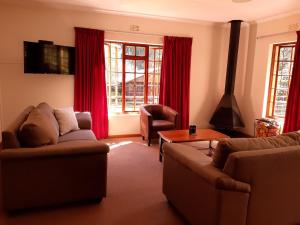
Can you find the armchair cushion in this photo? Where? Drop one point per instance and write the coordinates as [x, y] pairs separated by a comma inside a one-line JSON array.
[[162, 125]]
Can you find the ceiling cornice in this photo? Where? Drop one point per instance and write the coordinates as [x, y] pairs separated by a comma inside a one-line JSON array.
[[279, 16]]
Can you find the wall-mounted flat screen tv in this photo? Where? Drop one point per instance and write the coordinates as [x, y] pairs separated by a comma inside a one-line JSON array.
[[44, 57]]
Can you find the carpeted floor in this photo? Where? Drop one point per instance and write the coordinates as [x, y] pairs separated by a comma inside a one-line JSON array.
[[134, 194]]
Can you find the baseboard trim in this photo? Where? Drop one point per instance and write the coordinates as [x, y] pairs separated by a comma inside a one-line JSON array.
[[124, 135]]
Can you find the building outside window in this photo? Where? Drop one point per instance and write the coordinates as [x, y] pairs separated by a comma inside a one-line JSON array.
[[280, 78], [132, 75]]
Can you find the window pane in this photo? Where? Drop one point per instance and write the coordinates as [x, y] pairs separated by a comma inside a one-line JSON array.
[[129, 92], [140, 51], [115, 65], [150, 88], [140, 88], [279, 109], [106, 49], [285, 53], [283, 82], [130, 64], [151, 54], [116, 50], [114, 91], [140, 66], [129, 77], [157, 67], [151, 67], [158, 54], [280, 102], [157, 79], [284, 68], [130, 50], [154, 70]]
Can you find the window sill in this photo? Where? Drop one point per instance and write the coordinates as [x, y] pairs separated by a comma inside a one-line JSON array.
[[122, 114]]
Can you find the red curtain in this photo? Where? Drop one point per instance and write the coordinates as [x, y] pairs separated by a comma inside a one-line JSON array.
[[90, 86], [292, 116], [175, 77]]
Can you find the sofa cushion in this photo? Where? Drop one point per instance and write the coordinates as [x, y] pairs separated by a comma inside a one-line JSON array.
[[84, 120], [66, 120], [77, 135], [48, 111], [37, 130], [228, 146], [10, 135]]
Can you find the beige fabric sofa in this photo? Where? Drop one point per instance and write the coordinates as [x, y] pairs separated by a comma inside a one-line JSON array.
[[74, 169], [254, 187]]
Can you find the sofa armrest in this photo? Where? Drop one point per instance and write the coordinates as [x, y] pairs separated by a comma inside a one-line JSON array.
[[84, 120], [201, 165], [170, 114], [59, 150]]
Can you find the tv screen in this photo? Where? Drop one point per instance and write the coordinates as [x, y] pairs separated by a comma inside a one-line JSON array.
[[45, 57]]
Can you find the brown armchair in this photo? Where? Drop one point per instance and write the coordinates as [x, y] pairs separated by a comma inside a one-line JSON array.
[[155, 118]]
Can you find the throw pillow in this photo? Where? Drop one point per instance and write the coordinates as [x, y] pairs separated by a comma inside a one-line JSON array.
[[37, 130], [66, 120], [48, 111], [228, 146]]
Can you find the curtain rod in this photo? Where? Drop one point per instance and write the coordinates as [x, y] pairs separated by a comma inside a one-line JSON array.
[[275, 34]]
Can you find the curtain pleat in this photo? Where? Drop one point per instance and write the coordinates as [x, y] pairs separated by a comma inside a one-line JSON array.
[[90, 86], [175, 77], [292, 116]]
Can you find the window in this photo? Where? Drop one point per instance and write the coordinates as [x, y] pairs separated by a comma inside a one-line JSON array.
[[280, 78], [132, 75]]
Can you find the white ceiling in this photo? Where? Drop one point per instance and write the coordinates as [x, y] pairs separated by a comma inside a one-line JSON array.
[[203, 10]]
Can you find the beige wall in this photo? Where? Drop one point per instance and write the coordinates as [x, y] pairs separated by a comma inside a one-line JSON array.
[[32, 24], [262, 35], [208, 69]]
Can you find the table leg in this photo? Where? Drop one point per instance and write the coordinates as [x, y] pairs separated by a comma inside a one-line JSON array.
[[210, 148], [161, 141]]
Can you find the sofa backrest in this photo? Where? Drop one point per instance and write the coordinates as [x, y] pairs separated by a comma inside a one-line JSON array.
[[10, 135], [228, 146], [274, 177]]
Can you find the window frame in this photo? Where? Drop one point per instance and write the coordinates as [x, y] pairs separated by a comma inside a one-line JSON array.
[[135, 58], [131, 57], [272, 93]]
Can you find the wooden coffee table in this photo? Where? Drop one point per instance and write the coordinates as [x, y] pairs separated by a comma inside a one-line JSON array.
[[177, 136]]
